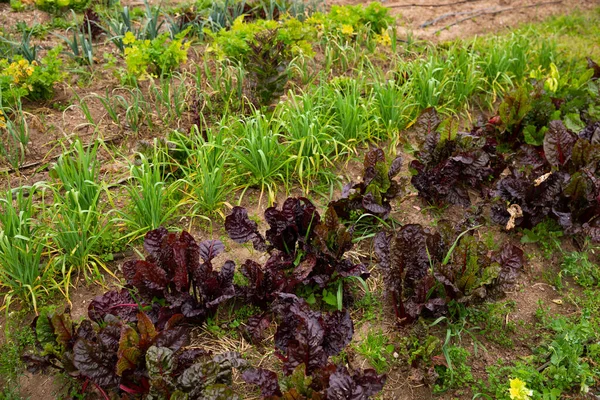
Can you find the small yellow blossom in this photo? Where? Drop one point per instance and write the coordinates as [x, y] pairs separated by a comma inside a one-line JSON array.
[[129, 38], [2, 122], [347, 30], [518, 390], [384, 39]]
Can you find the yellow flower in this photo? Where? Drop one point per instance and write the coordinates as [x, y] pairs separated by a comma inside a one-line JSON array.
[[518, 390], [129, 38], [384, 39], [347, 30], [2, 122]]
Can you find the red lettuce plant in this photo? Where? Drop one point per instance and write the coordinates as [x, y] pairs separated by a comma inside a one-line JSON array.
[[110, 355], [305, 339], [425, 270], [303, 249], [134, 360], [559, 180], [180, 270], [449, 162], [374, 194]]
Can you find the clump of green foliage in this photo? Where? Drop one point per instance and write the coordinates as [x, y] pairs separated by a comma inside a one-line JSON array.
[[565, 363], [455, 375], [584, 270], [151, 58], [348, 20], [20, 78], [236, 43], [58, 6]]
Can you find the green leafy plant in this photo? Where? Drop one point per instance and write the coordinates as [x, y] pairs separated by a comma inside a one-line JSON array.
[[375, 347], [290, 38], [583, 269], [59, 6], [261, 157], [31, 80], [161, 55], [456, 375], [546, 234], [22, 244]]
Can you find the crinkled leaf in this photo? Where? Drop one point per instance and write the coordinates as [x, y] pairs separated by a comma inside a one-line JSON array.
[[174, 338], [146, 329], [63, 326], [338, 332], [591, 133], [209, 249], [159, 361], [558, 143], [36, 363], [147, 277], [129, 351], [242, 229], [118, 303], [427, 122], [266, 380], [395, 167], [94, 362]]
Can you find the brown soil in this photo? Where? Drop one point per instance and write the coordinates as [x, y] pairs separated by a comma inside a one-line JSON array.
[[480, 17]]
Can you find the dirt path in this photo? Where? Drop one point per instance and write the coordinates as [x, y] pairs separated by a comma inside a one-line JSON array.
[[472, 17]]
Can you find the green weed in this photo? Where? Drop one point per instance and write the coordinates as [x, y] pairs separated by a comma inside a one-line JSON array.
[[375, 347]]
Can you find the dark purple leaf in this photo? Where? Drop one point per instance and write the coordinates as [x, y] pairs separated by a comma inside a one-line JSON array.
[[265, 379], [256, 326], [591, 133], [242, 229], [370, 382], [95, 363], [174, 338], [209, 249], [338, 332], [371, 206], [593, 65], [145, 276], [118, 303], [381, 244], [395, 167], [153, 241], [373, 157], [185, 358], [36, 363], [343, 386], [558, 143], [427, 122]]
